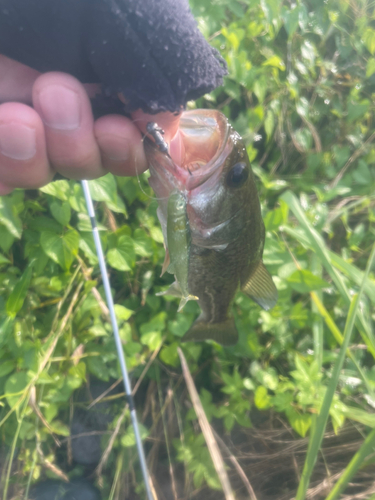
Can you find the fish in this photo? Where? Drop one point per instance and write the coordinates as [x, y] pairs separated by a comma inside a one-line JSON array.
[[209, 211]]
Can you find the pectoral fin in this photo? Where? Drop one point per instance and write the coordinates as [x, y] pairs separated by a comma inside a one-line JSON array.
[[261, 288], [174, 290], [184, 300], [224, 333]]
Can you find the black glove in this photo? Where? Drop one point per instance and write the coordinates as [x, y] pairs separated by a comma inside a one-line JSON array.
[[150, 50]]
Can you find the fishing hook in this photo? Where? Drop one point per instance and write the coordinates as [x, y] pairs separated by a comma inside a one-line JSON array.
[[157, 133]]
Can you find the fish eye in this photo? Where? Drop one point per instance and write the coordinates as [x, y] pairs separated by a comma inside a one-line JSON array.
[[238, 175]]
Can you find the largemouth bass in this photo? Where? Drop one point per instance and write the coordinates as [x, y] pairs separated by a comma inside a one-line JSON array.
[[210, 215]]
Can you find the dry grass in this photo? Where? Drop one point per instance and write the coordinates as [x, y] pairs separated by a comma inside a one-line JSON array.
[[262, 463]]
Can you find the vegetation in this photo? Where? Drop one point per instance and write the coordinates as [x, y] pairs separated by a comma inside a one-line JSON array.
[[302, 378]]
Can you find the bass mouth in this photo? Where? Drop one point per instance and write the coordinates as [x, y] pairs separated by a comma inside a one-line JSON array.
[[205, 135]]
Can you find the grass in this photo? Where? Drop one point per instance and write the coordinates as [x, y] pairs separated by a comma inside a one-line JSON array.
[[317, 434]]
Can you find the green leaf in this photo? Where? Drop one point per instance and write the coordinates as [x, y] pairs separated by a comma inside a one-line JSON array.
[[299, 315], [271, 9], [42, 223], [27, 430], [58, 189], [76, 199], [152, 331], [308, 53], [97, 366], [62, 249], [290, 18], [128, 439], [156, 234], [123, 256], [362, 174], [229, 421], [61, 212], [274, 219], [142, 243], [59, 428], [9, 218], [16, 298], [117, 205], [14, 387], [169, 355], [356, 110], [268, 377], [180, 325], [301, 422], [6, 238], [4, 260], [361, 416], [262, 399], [276, 62], [369, 40], [269, 124], [78, 371], [370, 67], [304, 138], [87, 245], [50, 411], [84, 225], [105, 189], [122, 313], [304, 281], [152, 340], [6, 367]]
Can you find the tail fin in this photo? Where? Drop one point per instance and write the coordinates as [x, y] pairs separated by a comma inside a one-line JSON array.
[[223, 333]]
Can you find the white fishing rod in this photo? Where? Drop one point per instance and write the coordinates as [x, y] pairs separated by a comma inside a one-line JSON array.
[[120, 352]]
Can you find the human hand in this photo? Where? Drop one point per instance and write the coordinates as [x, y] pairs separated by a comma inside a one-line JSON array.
[[59, 134]]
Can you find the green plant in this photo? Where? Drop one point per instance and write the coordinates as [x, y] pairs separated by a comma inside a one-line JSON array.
[[300, 91]]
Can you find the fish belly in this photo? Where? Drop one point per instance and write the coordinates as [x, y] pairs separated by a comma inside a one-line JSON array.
[[179, 244]]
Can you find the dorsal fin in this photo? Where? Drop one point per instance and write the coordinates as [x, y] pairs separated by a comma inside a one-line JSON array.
[[261, 288]]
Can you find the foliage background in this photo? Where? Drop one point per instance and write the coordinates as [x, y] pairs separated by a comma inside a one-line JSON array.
[[301, 92]]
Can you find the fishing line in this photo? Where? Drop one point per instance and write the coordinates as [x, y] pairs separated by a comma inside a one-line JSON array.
[[120, 352]]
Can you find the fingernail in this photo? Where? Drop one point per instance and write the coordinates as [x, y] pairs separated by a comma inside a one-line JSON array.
[[60, 107], [17, 141]]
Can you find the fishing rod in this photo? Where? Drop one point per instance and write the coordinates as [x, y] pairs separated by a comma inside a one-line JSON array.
[[157, 134], [120, 352]]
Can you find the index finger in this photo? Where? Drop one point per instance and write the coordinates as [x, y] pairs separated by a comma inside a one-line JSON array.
[[16, 81]]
